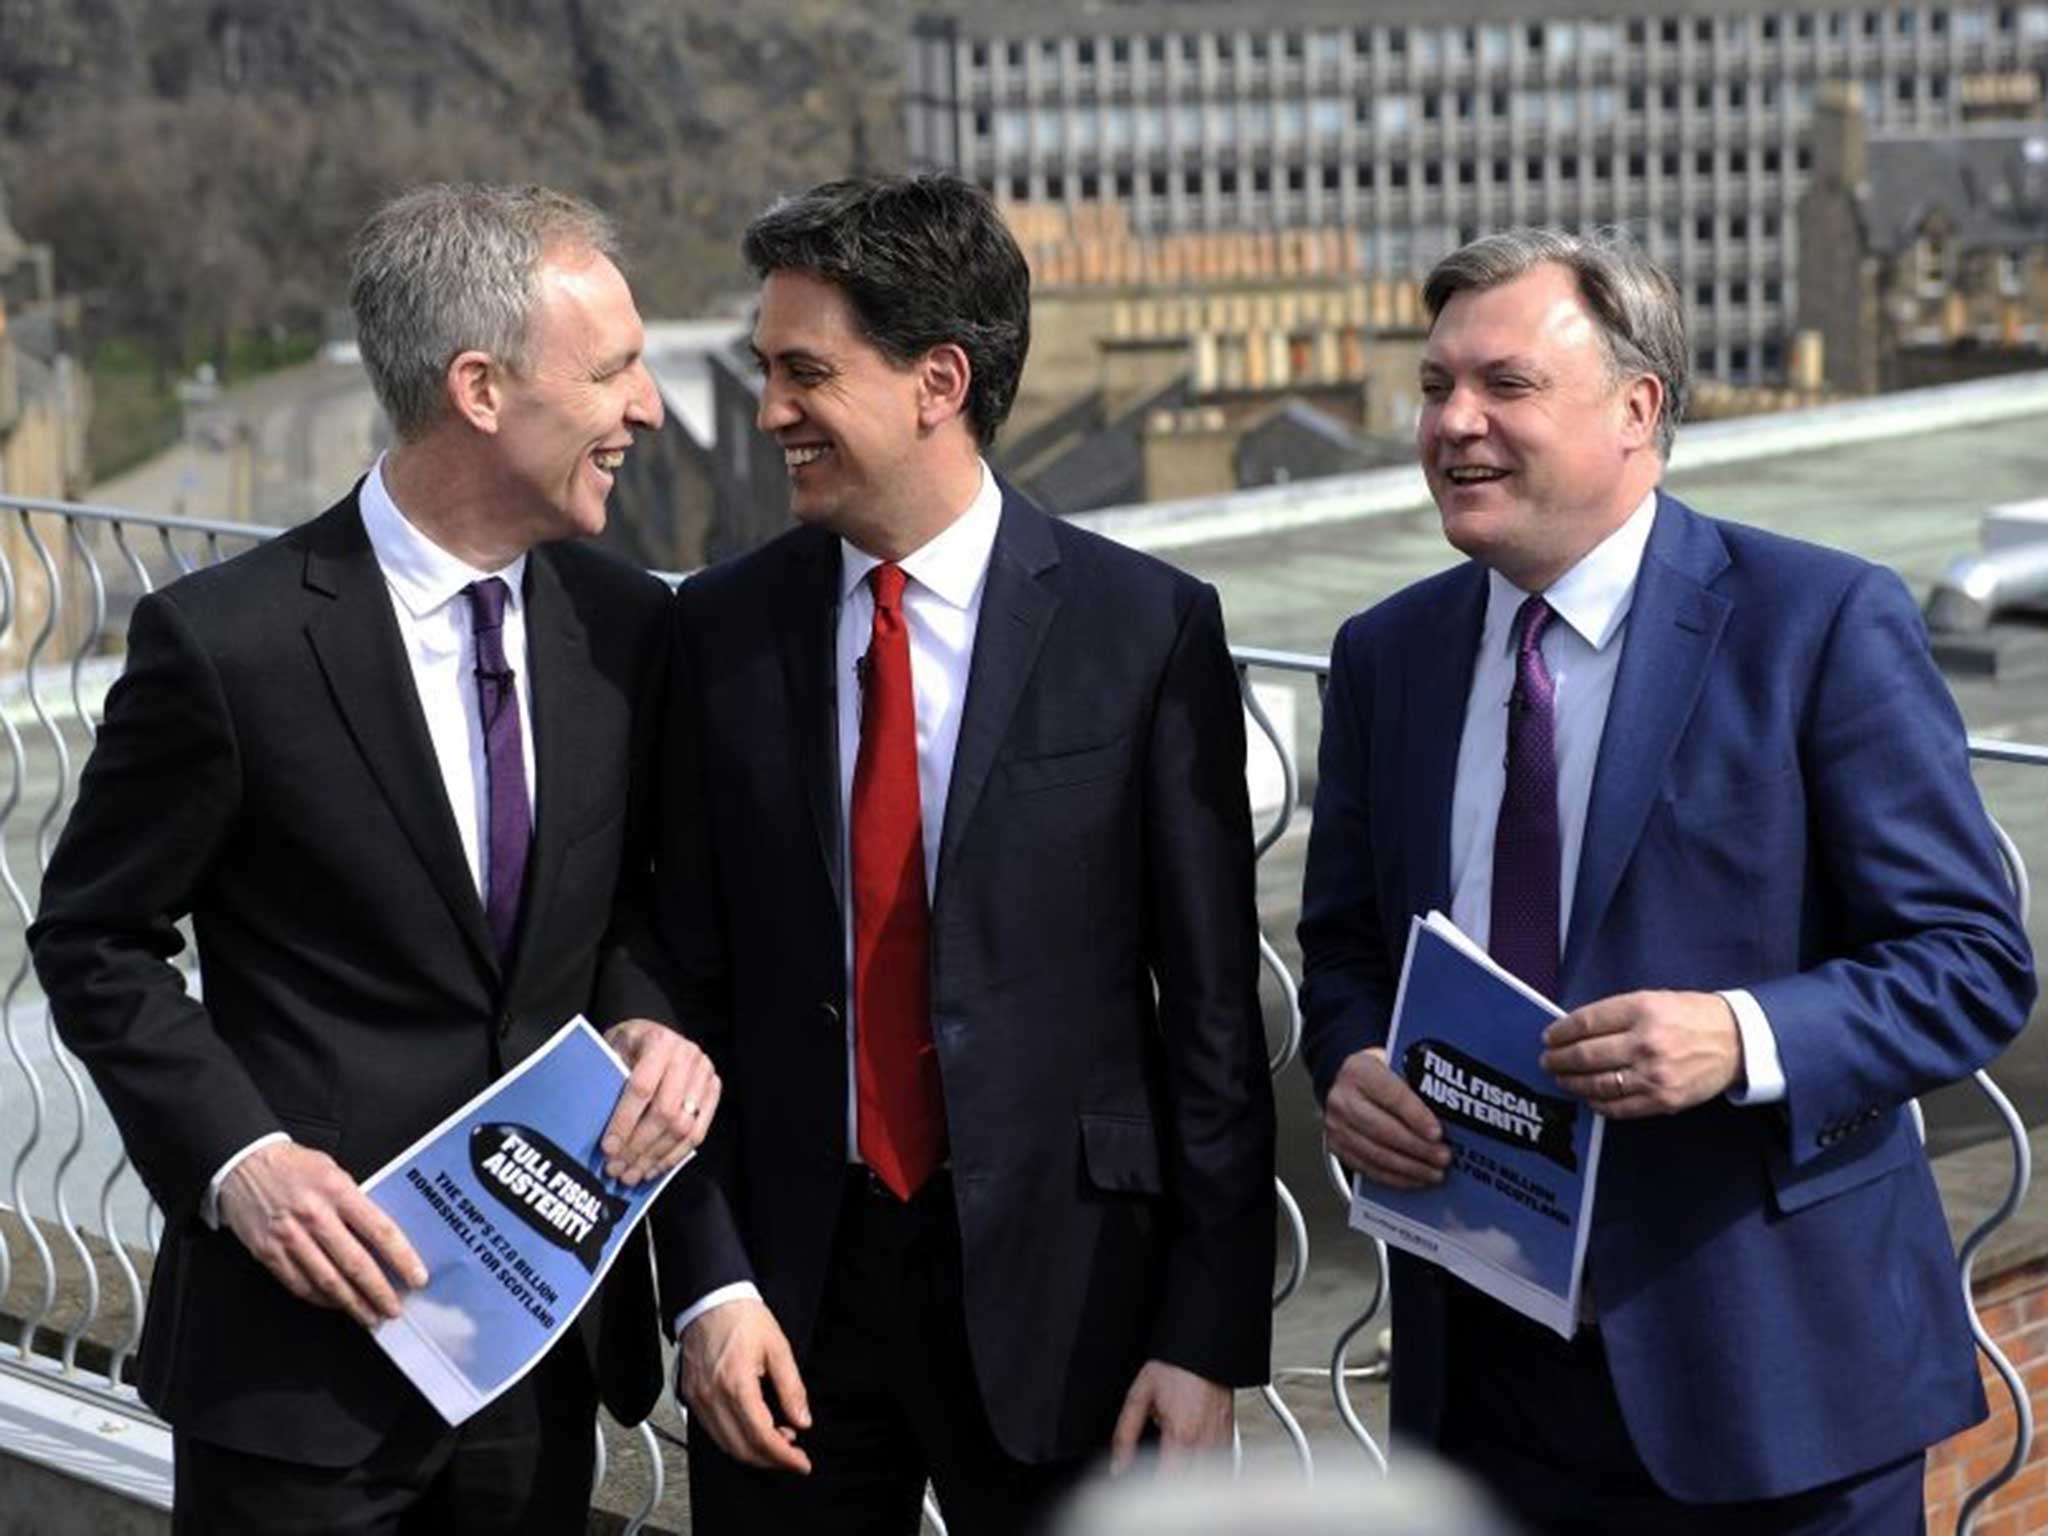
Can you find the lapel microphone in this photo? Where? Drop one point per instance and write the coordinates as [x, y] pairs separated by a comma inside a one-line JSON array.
[[863, 664]]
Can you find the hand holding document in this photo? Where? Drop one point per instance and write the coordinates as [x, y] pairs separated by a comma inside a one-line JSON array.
[[1512, 1213], [507, 1203]]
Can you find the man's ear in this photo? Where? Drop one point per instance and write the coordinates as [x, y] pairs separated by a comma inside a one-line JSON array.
[[1642, 407], [943, 376], [474, 393]]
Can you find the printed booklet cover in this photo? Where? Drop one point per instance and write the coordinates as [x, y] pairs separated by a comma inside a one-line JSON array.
[[508, 1205], [1512, 1213]]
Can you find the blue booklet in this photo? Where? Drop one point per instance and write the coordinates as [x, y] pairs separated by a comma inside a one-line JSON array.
[[508, 1206], [1513, 1212]]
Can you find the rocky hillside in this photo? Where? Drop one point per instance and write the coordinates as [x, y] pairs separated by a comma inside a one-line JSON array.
[[199, 163]]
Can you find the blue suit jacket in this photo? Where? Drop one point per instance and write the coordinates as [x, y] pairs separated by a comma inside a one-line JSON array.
[[1782, 802]]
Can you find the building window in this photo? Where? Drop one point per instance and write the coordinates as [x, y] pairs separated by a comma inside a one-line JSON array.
[[1331, 179], [1497, 103], [1802, 26], [1568, 167], [1189, 47], [1703, 31], [1091, 188], [1902, 23], [1738, 226], [1297, 178], [1738, 162], [1637, 31], [1871, 21], [1637, 98], [977, 56], [1364, 177], [1533, 171], [1155, 49], [1020, 188], [1432, 174], [1703, 295], [1123, 186], [1738, 292], [1084, 51], [1667, 32], [1703, 228], [1667, 98], [1937, 22], [1770, 29], [1500, 173], [1258, 41], [1738, 360], [1191, 183], [1226, 183], [1157, 184], [1119, 50], [1772, 224], [1638, 166], [1055, 186], [1397, 175], [1703, 163], [1430, 108], [1667, 164], [1226, 46], [1013, 55], [1262, 180], [1774, 290], [1603, 168], [1703, 97], [1738, 96], [1361, 41], [1534, 36], [1905, 90], [1468, 173]]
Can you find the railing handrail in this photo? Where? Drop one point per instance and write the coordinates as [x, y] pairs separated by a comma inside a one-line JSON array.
[[1289, 664]]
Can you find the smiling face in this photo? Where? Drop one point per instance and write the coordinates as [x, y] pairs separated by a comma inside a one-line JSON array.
[[875, 449], [567, 417], [1534, 451]]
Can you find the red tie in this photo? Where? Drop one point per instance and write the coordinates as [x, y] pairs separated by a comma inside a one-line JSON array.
[[902, 1109]]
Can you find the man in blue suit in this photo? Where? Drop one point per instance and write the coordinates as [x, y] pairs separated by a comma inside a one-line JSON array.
[[1629, 748]]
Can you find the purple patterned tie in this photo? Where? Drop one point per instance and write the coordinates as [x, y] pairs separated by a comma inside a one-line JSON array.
[[1523, 936], [497, 696]]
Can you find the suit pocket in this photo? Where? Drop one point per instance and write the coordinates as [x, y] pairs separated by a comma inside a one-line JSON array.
[[1847, 1165], [1084, 766], [1121, 1154]]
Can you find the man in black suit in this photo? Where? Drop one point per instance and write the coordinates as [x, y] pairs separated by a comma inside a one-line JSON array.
[[385, 763], [955, 868]]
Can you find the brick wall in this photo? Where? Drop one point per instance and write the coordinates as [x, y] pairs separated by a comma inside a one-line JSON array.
[[2014, 1306]]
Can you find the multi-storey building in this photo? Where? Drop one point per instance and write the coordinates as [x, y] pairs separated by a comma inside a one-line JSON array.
[[1425, 122]]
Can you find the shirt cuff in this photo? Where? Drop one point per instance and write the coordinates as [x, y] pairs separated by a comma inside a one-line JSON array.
[[739, 1290], [209, 1208], [1762, 1074]]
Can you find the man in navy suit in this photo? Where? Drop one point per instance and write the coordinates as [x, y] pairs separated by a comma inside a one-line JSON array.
[[1704, 785], [955, 871]]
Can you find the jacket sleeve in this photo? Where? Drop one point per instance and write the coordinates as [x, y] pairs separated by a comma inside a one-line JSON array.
[[155, 804], [1215, 1314], [696, 1239], [1347, 992], [1929, 972]]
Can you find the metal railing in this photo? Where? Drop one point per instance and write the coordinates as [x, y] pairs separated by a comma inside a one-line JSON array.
[[69, 574]]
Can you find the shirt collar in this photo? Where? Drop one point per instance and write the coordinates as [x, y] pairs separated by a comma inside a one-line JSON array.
[[423, 574], [1593, 597], [953, 562]]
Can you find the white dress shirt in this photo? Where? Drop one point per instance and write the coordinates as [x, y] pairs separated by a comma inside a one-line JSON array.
[[425, 583], [1583, 652], [941, 610]]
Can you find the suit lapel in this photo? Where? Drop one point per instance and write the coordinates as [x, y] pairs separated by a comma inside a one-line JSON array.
[[808, 630], [1435, 684], [556, 652], [1016, 612], [355, 639], [1674, 625]]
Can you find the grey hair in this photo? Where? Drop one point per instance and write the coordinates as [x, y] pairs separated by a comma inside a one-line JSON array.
[[450, 268], [1632, 300]]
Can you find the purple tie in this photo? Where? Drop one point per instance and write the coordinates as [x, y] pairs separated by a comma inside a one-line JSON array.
[[497, 697], [1523, 936]]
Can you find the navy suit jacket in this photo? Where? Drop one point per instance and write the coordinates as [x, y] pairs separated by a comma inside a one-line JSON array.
[[1782, 802], [1094, 966]]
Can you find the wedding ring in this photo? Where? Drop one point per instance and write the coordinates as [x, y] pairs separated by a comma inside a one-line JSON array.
[[690, 1108], [1621, 1082]]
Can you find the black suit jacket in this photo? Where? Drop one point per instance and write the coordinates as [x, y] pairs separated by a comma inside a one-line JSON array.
[[265, 767], [1094, 969]]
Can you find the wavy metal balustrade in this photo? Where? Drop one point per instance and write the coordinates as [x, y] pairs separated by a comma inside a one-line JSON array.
[[69, 575]]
